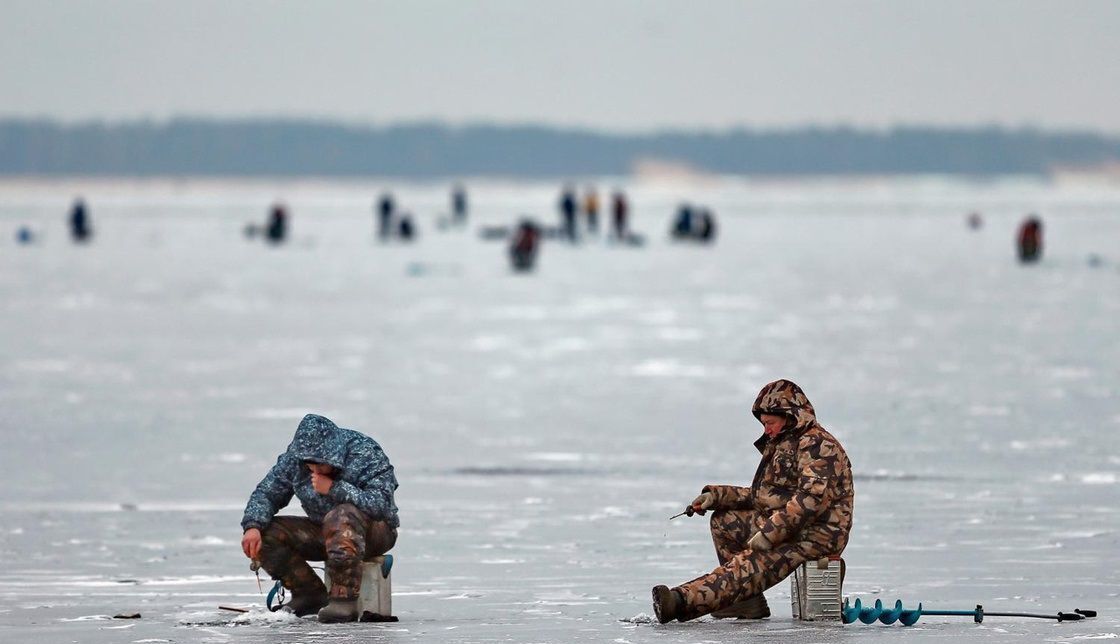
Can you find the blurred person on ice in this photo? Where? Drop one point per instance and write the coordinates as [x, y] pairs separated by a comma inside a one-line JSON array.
[[345, 484], [797, 509]]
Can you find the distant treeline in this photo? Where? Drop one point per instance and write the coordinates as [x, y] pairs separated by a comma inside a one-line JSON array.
[[202, 147]]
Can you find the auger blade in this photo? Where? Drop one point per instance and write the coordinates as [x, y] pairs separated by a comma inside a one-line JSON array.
[[891, 616], [869, 615]]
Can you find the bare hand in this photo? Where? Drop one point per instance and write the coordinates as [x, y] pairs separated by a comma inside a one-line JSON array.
[[321, 482], [251, 543]]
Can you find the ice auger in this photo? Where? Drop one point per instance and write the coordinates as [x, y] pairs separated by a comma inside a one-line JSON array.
[[908, 617]]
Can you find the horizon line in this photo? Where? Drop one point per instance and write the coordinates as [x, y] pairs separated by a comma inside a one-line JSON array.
[[699, 130]]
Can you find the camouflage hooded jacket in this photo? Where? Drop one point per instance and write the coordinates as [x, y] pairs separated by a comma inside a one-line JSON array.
[[363, 477], [803, 487]]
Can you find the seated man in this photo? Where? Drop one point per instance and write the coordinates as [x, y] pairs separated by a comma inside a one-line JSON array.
[[798, 508], [345, 484]]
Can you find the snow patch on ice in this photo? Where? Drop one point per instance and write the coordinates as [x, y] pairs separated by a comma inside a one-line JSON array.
[[1100, 478], [989, 410], [679, 334], [208, 540], [640, 618], [277, 414], [556, 457], [257, 616], [667, 369], [1040, 444]]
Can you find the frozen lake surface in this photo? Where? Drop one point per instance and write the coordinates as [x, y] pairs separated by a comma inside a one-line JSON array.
[[545, 426]]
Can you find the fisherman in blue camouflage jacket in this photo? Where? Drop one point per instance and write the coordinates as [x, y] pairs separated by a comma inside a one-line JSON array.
[[345, 484]]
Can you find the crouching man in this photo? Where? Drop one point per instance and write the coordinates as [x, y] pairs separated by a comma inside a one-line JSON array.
[[798, 508], [345, 484]]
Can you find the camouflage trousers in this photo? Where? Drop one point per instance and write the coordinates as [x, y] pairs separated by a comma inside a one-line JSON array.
[[742, 573], [346, 537]]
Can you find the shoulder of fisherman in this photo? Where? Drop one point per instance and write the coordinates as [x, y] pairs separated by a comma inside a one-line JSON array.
[[361, 475]]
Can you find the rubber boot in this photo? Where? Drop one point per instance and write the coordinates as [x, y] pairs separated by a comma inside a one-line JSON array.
[[750, 608], [339, 610], [305, 603], [666, 603]]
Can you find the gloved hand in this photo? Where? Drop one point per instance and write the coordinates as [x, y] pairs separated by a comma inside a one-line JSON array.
[[759, 542], [701, 504]]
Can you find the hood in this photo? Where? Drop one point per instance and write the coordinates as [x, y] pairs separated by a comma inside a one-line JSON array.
[[319, 440], [785, 398]]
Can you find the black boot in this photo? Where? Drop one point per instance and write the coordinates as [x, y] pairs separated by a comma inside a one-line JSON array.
[[666, 603], [306, 603], [339, 610], [750, 608]]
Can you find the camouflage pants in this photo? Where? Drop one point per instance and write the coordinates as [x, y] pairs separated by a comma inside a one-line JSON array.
[[742, 572], [346, 537]]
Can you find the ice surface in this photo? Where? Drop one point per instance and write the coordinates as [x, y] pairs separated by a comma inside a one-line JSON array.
[[545, 426]]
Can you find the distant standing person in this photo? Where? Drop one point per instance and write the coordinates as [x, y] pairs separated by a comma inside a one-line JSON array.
[[591, 209], [706, 230], [621, 212], [1030, 240], [682, 225], [459, 204], [406, 230], [523, 249], [975, 221], [277, 229], [80, 228], [385, 210], [568, 212]]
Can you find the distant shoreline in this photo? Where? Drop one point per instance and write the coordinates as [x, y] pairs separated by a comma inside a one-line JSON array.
[[292, 148]]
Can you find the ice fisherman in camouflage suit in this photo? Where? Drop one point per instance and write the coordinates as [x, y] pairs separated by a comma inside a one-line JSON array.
[[345, 484], [798, 508]]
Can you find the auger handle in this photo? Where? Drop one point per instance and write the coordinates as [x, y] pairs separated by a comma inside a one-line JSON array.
[[1086, 612]]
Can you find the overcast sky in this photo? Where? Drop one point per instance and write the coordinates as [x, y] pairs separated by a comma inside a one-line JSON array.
[[607, 65]]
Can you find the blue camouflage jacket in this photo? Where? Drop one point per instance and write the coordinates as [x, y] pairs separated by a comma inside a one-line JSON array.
[[364, 476]]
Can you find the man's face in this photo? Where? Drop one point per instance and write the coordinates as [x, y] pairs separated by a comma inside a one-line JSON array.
[[320, 468], [772, 424]]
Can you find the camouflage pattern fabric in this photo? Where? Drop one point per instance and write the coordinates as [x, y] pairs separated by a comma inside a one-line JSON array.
[[363, 476], [346, 537], [801, 499]]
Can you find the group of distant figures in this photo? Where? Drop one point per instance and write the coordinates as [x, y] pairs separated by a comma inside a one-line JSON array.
[[694, 224], [571, 207], [691, 223]]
